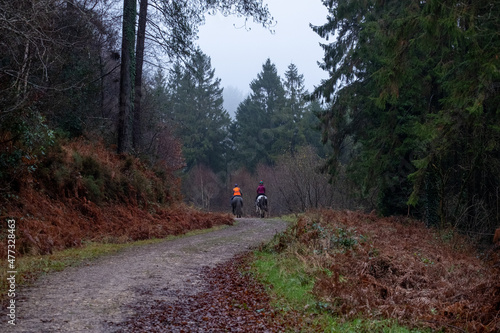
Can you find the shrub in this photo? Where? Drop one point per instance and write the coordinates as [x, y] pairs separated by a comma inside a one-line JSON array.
[[394, 267]]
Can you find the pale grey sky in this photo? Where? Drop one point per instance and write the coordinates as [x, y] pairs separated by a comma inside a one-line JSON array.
[[238, 54]]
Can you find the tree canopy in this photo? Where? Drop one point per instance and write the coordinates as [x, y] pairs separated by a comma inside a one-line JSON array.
[[414, 91], [196, 109], [173, 26], [253, 130]]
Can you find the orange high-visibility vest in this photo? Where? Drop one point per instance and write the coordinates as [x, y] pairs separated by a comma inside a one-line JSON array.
[[236, 191]]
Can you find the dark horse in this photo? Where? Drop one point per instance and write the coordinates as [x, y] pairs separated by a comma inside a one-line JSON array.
[[237, 204], [261, 205]]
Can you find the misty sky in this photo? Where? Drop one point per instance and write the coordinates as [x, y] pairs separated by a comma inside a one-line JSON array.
[[238, 53]]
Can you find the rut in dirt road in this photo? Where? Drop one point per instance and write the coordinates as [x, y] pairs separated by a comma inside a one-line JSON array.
[[96, 298]]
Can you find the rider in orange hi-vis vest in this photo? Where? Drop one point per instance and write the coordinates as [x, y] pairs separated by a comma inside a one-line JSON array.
[[236, 191]]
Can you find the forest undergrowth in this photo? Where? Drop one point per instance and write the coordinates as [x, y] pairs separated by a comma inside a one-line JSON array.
[[82, 192], [363, 266]]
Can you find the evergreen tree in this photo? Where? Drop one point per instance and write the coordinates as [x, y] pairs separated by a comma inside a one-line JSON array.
[[288, 132], [156, 108], [461, 151], [413, 95], [364, 116], [253, 132], [173, 30], [157, 93], [310, 127], [295, 92], [196, 108]]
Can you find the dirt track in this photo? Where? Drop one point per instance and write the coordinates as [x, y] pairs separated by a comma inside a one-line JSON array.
[[96, 298]]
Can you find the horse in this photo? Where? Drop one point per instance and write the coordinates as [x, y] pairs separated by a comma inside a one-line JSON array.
[[237, 204], [261, 205]]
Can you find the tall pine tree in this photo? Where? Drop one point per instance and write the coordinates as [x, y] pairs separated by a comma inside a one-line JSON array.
[[361, 110], [196, 108], [414, 85], [252, 133], [288, 130]]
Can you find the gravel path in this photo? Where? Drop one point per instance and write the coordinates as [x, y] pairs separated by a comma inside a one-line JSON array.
[[96, 298]]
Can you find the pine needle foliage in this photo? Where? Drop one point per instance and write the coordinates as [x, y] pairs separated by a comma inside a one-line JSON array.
[[414, 84]]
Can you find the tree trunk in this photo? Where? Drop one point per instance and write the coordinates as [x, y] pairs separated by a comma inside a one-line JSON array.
[[125, 104], [139, 57]]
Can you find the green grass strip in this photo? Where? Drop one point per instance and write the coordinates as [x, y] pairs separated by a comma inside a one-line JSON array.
[[290, 287]]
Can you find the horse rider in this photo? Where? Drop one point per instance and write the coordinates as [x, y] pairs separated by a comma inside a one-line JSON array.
[[236, 192], [261, 190]]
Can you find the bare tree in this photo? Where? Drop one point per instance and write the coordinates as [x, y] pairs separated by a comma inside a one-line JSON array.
[[49, 65], [202, 186], [296, 183]]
